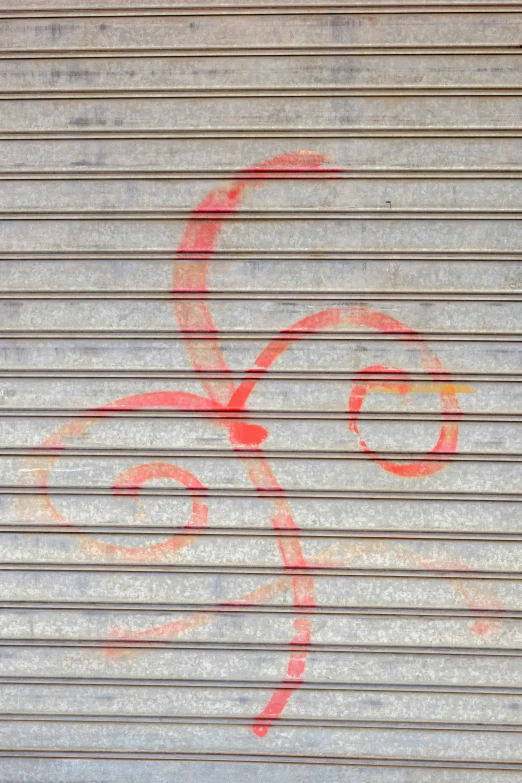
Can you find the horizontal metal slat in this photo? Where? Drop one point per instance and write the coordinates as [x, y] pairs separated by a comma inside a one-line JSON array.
[[409, 515], [261, 114], [64, 8], [381, 668], [267, 92], [305, 437], [192, 765], [270, 337], [248, 317], [258, 135], [302, 355], [343, 277], [400, 743], [366, 594], [116, 628], [311, 475], [49, 768], [368, 235], [299, 297], [284, 722], [463, 517], [33, 394], [147, 700], [305, 30], [260, 216], [385, 455], [278, 198], [137, 7], [308, 73], [239, 552], [138, 157]]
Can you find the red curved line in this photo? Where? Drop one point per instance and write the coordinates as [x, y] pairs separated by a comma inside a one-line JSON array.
[[177, 400], [191, 275], [294, 678], [448, 436], [134, 478], [325, 319], [130, 482]]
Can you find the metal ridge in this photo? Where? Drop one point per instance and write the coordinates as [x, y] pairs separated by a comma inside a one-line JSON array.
[[471, 132], [274, 336], [338, 296], [392, 91], [223, 609], [261, 215], [261, 51], [310, 685], [62, 528], [251, 758], [129, 254], [326, 375], [415, 613], [235, 9], [257, 647], [70, 452], [255, 414], [149, 568], [211, 720], [66, 175]]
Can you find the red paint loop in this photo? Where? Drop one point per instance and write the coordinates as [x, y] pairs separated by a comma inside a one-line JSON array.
[[132, 480], [448, 436]]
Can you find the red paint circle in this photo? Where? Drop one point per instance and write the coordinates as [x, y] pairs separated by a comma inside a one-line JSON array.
[[448, 437]]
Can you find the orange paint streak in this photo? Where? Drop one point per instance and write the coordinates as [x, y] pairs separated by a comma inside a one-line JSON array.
[[168, 631], [262, 594], [339, 555], [73, 429], [361, 316]]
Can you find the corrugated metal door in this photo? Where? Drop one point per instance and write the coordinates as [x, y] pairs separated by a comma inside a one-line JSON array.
[[261, 430]]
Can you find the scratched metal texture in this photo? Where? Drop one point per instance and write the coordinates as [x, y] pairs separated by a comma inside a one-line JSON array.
[[260, 391]]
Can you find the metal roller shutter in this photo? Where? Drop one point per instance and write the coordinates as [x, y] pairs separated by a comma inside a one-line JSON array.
[[260, 385]]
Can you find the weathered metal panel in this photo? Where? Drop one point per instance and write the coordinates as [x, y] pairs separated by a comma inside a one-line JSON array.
[[260, 392]]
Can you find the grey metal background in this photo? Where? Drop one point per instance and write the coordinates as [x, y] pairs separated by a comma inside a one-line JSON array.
[[121, 660]]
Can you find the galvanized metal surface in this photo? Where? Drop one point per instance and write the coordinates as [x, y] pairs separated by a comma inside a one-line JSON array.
[[260, 392]]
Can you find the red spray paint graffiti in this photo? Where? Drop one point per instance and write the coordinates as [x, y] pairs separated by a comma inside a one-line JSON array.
[[225, 398]]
